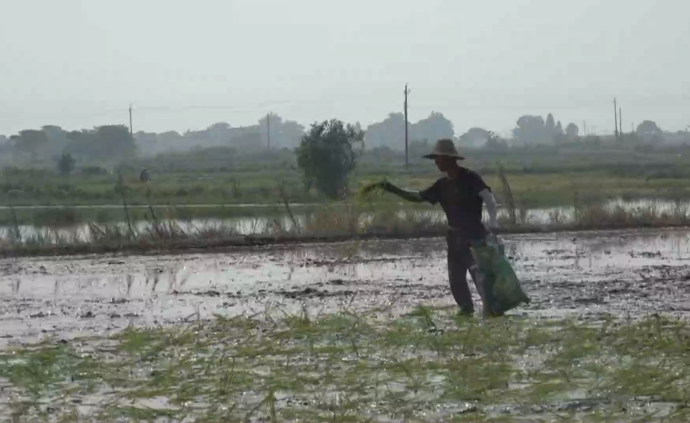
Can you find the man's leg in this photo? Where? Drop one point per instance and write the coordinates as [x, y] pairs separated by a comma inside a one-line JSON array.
[[457, 274]]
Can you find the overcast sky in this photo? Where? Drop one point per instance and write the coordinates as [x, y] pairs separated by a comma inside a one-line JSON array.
[[187, 64]]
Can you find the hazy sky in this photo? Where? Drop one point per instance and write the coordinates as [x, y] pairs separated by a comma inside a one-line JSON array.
[[188, 64]]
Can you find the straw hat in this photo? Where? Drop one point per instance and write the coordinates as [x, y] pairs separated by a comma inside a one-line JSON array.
[[444, 147]]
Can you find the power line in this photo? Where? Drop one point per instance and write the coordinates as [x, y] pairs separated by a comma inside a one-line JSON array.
[[648, 101]]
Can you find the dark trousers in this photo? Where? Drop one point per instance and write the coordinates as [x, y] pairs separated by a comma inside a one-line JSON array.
[[460, 261]]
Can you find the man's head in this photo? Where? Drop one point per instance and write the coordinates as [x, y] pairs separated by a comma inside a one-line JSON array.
[[445, 155], [445, 163]]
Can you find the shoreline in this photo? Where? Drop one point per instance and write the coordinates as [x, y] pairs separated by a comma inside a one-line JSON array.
[[150, 246]]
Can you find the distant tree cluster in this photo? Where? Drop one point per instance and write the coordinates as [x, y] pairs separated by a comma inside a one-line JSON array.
[[283, 133], [102, 144], [530, 130], [535, 130], [253, 138], [474, 137], [391, 131], [649, 131]]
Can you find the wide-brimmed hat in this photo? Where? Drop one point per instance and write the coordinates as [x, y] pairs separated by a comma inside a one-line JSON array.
[[444, 147]]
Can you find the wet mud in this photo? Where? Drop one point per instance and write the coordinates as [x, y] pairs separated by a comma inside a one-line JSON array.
[[590, 275]]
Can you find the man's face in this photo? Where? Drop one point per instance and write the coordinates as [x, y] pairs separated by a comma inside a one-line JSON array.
[[443, 163]]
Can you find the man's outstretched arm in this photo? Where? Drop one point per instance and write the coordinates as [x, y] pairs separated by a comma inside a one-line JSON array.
[[409, 195]]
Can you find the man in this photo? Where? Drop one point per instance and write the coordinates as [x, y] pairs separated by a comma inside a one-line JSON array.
[[461, 193]]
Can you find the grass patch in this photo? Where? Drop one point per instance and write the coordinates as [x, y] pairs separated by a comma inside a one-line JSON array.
[[538, 178], [337, 222], [429, 365]]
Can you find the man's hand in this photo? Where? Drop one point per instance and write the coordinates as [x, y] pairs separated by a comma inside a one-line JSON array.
[[493, 225], [386, 186], [491, 208], [382, 185]]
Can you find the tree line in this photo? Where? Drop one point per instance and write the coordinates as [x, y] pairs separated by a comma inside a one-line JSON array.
[[114, 143], [109, 143]]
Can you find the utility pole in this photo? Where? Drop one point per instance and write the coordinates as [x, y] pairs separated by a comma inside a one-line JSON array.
[[268, 130], [615, 118], [131, 131], [620, 120], [407, 161]]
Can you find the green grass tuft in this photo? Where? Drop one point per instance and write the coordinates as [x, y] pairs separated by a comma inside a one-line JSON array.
[[428, 365]]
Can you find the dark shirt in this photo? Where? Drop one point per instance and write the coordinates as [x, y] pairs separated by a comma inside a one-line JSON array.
[[461, 201]]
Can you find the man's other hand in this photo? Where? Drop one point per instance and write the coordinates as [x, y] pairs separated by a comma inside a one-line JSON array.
[[382, 185], [493, 224]]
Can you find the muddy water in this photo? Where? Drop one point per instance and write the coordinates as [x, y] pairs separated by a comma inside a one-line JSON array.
[[629, 273]]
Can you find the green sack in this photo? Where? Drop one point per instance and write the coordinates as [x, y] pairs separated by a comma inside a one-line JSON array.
[[500, 287]]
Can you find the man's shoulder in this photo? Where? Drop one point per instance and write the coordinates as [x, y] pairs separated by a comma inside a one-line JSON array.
[[442, 182], [473, 180], [470, 173]]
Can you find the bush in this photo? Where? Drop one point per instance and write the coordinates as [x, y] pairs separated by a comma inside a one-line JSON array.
[[66, 164], [326, 156]]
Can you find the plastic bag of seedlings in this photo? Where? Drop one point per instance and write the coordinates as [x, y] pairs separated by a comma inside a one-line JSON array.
[[500, 286]]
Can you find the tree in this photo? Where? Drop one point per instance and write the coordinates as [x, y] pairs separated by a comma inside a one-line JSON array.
[[284, 133], [291, 134], [30, 141], [390, 132], [496, 143], [550, 124], [81, 144], [147, 142], [57, 139], [558, 133], [474, 137], [105, 143], [66, 164], [649, 131], [572, 131], [433, 128], [326, 156], [114, 142], [219, 127], [531, 130], [169, 136]]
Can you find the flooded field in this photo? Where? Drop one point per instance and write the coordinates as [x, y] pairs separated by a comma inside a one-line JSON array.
[[590, 278], [589, 274]]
